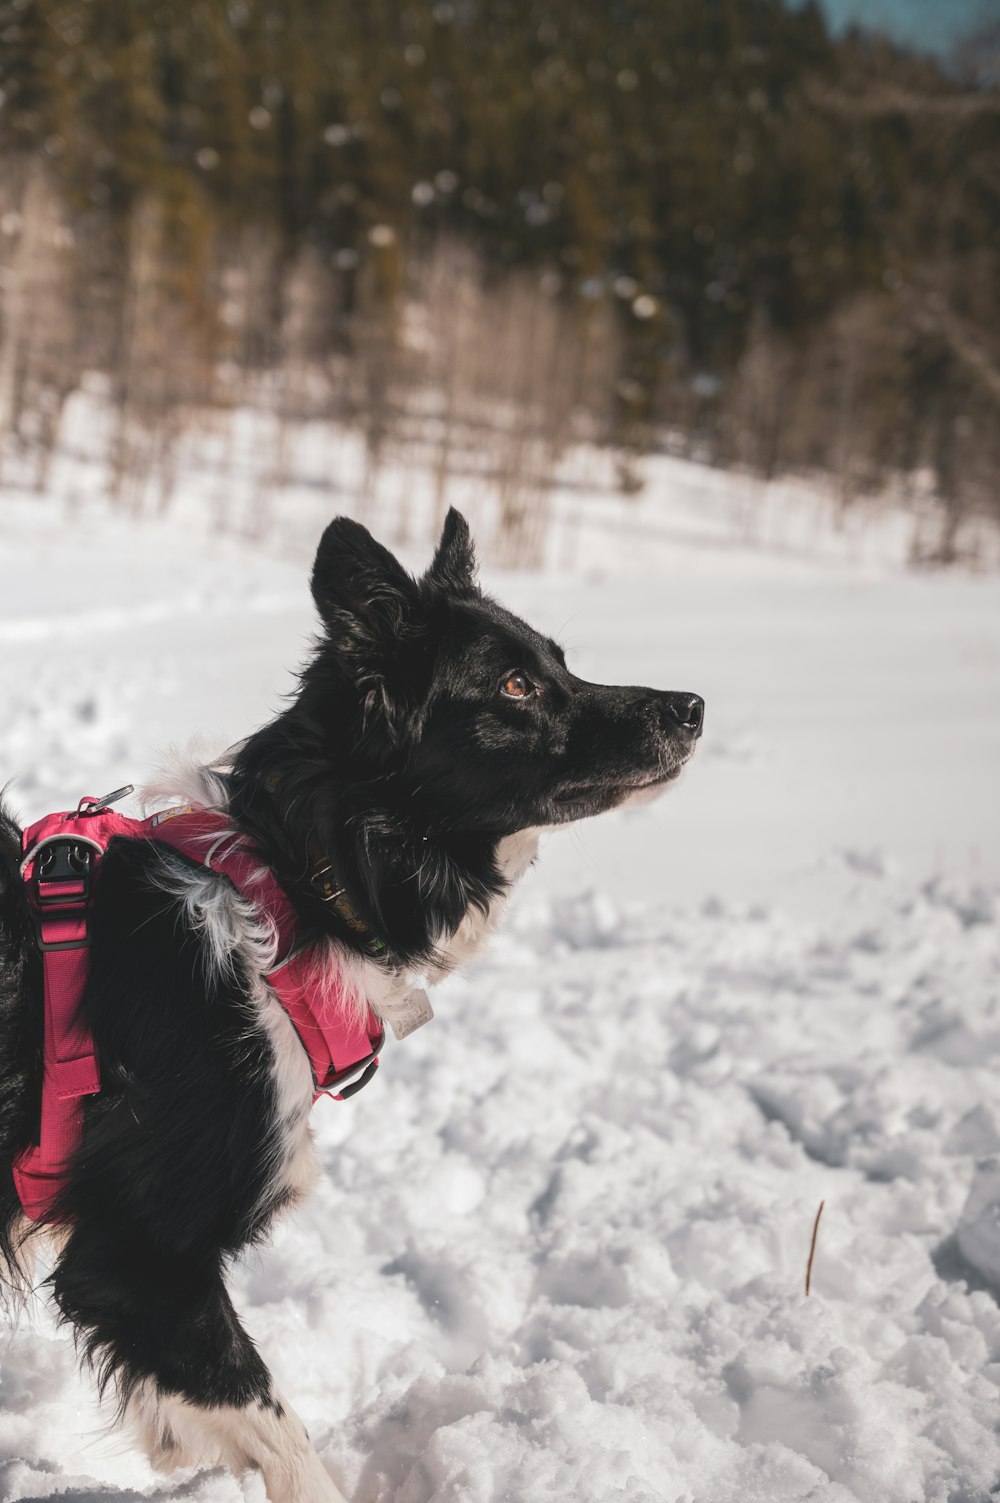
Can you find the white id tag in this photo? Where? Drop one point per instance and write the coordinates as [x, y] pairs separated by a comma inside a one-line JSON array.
[[415, 1012]]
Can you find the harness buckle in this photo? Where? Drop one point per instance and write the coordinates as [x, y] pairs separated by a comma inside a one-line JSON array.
[[354, 1086], [64, 861], [63, 865], [367, 1066]]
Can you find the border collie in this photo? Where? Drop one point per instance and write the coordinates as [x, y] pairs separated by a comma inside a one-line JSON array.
[[431, 737]]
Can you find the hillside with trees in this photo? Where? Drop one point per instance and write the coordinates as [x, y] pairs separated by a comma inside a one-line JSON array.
[[703, 224]]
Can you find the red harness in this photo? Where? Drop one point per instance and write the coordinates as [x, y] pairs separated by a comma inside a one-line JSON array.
[[60, 870]]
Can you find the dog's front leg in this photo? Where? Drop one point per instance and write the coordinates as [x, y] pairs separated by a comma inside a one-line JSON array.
[[163, 1330]]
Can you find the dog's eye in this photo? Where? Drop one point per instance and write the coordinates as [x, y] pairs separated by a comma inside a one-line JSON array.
[[518, 686]]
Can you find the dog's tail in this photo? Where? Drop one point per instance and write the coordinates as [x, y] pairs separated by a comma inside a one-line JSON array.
[[20, 1047]]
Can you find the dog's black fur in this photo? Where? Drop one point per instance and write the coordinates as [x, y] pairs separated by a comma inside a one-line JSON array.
[[429, 724]]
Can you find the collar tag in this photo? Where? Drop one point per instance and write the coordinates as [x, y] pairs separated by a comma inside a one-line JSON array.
[[413, 1014]]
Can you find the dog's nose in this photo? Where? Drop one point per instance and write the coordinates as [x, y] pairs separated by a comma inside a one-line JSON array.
[[688, 711]]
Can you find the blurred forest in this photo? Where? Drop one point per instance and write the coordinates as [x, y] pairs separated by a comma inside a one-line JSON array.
[[503, 226]]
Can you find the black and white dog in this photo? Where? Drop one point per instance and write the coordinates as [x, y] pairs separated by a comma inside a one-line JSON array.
[[432, 736]]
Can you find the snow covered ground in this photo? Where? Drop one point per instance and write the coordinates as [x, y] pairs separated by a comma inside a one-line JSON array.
[[559, 1248]]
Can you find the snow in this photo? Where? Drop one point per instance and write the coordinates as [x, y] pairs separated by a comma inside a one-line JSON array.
[[559, 1246]]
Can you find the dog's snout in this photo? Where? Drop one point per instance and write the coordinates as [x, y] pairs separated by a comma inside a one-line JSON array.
[[687, 711]]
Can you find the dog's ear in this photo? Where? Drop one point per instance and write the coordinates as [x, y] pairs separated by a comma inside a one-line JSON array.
[[369, 606], [454, 563], [359, 588]]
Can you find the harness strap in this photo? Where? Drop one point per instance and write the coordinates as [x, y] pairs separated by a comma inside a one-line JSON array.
[[59, 869], [340, 1039]]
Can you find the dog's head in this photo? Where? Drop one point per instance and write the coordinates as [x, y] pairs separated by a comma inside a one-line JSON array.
[[457, 706]]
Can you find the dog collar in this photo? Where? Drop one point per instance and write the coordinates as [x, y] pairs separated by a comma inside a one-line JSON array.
[[331, 891], [325, 883]]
